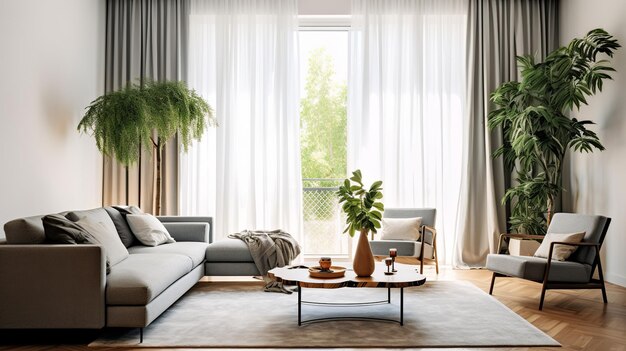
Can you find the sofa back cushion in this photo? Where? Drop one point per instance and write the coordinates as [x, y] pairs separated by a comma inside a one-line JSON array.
[[27, 230], [100, 225]]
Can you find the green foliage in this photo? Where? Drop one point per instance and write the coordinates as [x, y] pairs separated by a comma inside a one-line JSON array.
[[323, 119], [124, 120], [533, 115], [362, 207]]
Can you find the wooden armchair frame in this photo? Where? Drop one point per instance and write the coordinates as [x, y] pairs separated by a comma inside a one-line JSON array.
[[433, 231]]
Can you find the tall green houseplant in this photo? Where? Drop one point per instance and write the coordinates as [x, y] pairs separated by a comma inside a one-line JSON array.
[[538, 133], [147, 116]]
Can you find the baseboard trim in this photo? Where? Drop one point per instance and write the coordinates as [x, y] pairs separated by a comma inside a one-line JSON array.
[[616, 279]]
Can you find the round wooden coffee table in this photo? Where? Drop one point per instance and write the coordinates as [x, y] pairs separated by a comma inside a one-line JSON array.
[[405, 277]]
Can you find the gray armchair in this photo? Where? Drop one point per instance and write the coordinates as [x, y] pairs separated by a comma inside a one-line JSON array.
[[574, 273], [425, 248]]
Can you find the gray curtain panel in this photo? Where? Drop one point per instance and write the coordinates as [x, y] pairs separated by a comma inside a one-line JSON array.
[[498, 31], [145, 39]]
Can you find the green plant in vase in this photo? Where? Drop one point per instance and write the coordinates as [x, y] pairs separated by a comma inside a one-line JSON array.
[[363, 210]]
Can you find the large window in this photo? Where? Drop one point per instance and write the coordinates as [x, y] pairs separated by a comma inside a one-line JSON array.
[[405, 66], [323, 92]]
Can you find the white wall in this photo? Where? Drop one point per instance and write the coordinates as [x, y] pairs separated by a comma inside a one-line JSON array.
[[51, 67], [599, 179]]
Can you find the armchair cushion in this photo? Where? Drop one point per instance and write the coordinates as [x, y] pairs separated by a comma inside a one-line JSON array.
[[404, 247], [534, 268], [560, 252], [594, 227], [401, 228], [427, 214]]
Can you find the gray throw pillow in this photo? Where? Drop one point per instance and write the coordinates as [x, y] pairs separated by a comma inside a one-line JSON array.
[[60, 230], [125, 210], [123, 230]]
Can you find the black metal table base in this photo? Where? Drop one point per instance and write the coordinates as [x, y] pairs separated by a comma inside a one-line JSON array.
[[349, 304]]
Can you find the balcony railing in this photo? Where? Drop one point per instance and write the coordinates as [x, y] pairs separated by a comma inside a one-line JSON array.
[[323, 219]]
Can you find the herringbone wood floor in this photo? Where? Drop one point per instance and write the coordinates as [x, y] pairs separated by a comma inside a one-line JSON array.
[[576, 318]]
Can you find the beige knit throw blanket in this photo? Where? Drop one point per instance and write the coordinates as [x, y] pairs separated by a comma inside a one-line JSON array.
[[270, 249]]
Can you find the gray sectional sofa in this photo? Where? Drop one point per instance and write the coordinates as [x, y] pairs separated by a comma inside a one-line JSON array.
[[66, 286]]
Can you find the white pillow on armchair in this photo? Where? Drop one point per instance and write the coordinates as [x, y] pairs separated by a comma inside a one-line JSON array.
[[401, 228], [560, 252]]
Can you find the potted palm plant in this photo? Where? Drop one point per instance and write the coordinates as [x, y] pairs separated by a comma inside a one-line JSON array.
[[363, 211], [537, 130], [146, 116]]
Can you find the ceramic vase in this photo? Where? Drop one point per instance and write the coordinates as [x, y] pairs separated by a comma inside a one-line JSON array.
[[363, 263]]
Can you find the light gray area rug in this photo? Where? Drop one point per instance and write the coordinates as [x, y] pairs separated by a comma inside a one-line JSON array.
[[437, 314]]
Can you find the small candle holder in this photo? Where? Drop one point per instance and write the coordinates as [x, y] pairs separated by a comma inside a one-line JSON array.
[[325, 264], [388, 262], [392, 254]]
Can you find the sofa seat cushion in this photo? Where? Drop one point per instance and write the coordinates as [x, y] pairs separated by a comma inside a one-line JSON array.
[[534, 268], [194, 250], [141, 277], [228, 250]]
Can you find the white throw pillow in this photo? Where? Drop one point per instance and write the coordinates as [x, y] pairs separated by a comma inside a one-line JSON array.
[[148, 229], [560, 252], [401, 228], [106, 235]]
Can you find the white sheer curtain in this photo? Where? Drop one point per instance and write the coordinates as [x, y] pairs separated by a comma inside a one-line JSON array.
[[406, 101], [243, 57]]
